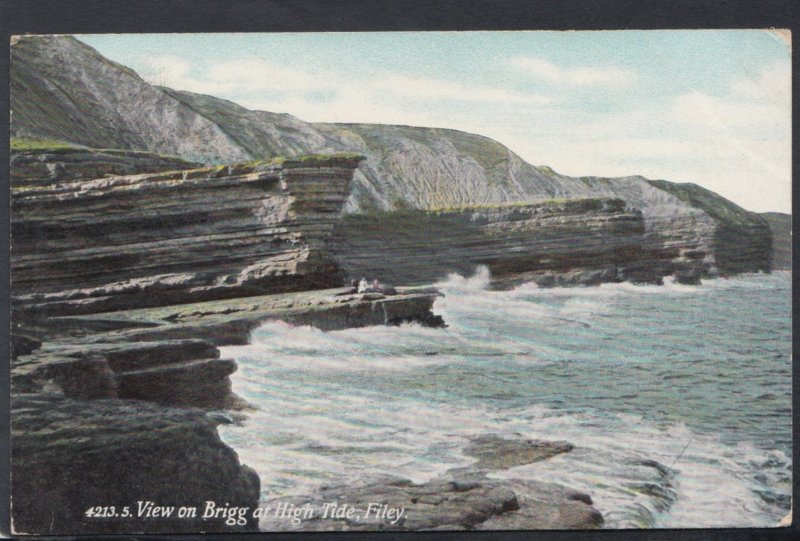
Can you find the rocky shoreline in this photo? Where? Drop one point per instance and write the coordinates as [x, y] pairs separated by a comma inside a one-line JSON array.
[[105, 406], [460, 499], [125, 287], [151, 226]]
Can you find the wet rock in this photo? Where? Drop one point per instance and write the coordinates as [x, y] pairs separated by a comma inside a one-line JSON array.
[[461, 499], [454, 501], [689, 276], [497, 453], [439, 504]]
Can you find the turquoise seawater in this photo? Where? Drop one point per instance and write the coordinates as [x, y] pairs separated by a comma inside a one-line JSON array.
[[696, 378]]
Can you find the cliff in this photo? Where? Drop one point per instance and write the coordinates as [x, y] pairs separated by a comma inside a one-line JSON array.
[[93, 101], [175, 237], [150, 226], [566, 242], [781, 226]]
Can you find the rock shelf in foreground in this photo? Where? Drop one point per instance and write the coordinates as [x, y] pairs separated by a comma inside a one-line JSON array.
[[461, 499], [111, 408]]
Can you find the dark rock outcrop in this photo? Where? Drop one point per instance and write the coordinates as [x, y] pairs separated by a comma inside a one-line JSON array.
[[460, 499], [72, 455], [176, 237], [589, 241], [47, 165], [781, 227], [453, 502], [96, 397], [496, 453]]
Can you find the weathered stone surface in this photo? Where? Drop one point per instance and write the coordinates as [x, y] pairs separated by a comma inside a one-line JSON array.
[[781, 227], [230, 321], [461, 499], [598, 236], [169, 354], [438, 504], [46, 166], [70, 455], [77, 444], [496, 453], [170, 238]]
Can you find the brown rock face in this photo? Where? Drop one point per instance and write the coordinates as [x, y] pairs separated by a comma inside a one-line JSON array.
[[183, 236]]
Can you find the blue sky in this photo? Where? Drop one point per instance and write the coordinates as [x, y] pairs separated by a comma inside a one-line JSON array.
[[710, 107]]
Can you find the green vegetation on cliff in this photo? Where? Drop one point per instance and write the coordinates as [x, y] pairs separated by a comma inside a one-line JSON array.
[[711, 203], [33, 144]]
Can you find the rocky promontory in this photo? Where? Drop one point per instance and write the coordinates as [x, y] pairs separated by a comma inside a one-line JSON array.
[[116, 370], [106, 405], [151, 226], [115, 242]]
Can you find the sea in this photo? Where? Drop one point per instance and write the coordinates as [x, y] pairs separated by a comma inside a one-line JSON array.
[[693, 380]]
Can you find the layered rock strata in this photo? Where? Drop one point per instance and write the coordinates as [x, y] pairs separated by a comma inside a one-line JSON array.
[[170, 238], [44, 166], [587, 241]]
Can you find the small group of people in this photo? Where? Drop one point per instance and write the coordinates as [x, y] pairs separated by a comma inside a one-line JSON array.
[[376, 287]]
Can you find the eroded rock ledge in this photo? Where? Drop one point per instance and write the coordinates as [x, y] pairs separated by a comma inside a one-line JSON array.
[[107, 406], [460, 499], [122, 242]]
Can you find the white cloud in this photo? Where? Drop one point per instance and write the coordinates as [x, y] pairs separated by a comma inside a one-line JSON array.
[[545, 70], [699, 109], [737, 143], [301, 89], [422, 88], [772, 84]]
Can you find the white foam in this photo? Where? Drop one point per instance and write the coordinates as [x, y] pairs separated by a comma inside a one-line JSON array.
[[329, 411]]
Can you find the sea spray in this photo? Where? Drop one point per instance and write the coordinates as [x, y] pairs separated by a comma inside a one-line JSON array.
[[679, 408]]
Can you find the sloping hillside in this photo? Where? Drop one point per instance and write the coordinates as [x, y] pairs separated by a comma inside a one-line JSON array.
[[63, 89]]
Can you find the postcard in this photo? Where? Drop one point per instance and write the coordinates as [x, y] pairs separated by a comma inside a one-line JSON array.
[[411, 281]]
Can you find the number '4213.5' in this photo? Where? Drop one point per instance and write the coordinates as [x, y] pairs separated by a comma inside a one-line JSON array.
[[107, 512]]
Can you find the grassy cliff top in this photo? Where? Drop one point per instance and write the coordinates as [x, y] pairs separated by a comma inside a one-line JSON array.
[[713, 204], [587, 204], [33, 144]]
